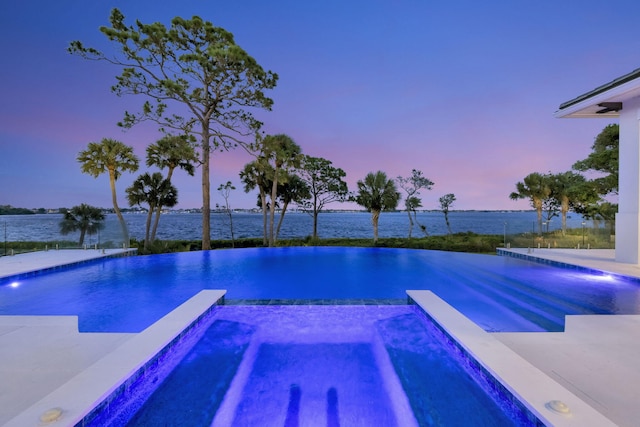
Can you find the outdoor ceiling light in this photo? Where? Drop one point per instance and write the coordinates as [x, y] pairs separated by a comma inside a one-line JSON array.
[[608, 107]]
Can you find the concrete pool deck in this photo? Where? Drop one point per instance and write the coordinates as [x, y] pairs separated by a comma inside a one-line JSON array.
[[41, 353], [595, 358], [30, 262], [593, 259]]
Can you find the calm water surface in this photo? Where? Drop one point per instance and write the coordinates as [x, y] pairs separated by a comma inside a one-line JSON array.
[[186, 226], [320, 365], [498, 293]]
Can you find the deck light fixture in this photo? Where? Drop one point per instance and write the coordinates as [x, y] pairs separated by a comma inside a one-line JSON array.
[[51, 416], [558, 406]]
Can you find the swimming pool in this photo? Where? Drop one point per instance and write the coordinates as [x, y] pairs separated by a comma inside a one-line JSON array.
[[497, 293], [319, 365]]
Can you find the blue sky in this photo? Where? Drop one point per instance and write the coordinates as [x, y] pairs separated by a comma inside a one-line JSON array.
[[464, 91]]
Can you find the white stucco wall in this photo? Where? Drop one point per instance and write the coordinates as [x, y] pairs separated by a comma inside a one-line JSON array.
[[628, 217]]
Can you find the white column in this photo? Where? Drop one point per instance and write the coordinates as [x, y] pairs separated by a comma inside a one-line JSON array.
[[628, 217]]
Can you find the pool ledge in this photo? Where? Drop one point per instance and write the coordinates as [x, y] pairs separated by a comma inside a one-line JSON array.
[[532, 387], [593, 261], [94, 387], [20, 266]]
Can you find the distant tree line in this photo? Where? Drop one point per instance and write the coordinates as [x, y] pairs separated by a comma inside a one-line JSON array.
[[10, 210], [556, 194]]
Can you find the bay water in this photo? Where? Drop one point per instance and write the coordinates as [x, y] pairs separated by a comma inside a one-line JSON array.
[[188, 226]]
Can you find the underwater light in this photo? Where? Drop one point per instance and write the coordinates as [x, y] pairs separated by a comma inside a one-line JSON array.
[[14, 284], [602, 277]]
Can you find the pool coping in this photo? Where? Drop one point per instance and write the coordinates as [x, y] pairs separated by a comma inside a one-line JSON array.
[[545, 256], [532, 387], [39, 267], [91, 391]]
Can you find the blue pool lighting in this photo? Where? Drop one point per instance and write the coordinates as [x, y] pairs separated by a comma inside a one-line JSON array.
[[603, 277], [497, 293], [309, 333], [326, 365]]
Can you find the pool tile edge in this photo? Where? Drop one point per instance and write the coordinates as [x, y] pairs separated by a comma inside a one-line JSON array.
[[89, 390], [533, 388]]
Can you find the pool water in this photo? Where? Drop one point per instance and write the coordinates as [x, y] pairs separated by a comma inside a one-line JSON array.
[[497, 293], [344, 363], [323, 365], [292, 382]]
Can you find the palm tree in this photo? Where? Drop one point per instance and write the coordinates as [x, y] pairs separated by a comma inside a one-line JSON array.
[[113, 157], [87, 219], [293, 190], [376, 194], [171, 152], [565, 188], [154, 191], [255, 174], [283, 155], [534, 187]]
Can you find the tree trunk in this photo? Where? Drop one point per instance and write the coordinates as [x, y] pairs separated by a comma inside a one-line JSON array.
[[446, 220], [315, 223], [159, 209], [315, 216], [538, 205], [272, 207], [263, 199], [410, 222], [147, 228], [82, 232], [564, 208], [206, 184], [422, 227], [375, 215], [284, 209], [114, 199], [233, 240], [156, 220]]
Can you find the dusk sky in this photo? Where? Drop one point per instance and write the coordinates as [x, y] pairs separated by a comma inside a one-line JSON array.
[[464, 91]]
